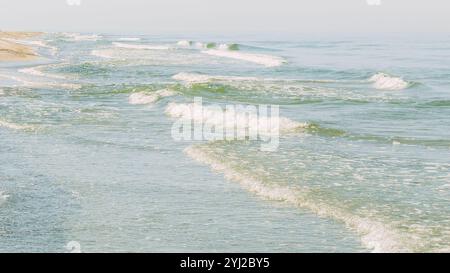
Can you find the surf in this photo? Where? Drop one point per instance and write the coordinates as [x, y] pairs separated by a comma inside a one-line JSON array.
[[242, 118], [384, 81], [261, 59], [375, 235], [3, 197], [140, 46], [140, 98]]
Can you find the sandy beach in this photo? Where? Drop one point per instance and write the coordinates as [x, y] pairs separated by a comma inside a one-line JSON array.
[[10, 50]]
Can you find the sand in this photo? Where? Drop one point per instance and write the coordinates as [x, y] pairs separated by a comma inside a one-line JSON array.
[[10, 50]]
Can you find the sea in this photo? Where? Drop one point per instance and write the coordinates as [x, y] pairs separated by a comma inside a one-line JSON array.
[[89, 161]]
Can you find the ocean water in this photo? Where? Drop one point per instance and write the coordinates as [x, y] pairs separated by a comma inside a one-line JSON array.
[[363, 163]]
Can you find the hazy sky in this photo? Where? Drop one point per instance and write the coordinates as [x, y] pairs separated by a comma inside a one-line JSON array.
[[227, 16]]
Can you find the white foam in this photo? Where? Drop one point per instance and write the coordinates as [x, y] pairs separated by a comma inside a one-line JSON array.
[[184, 43], [266, 60], [149, 98], [36, 43], [228, 47], [202, 78], [37, 71], [3, 197], [15, 126], [212, 115], [200, 45], [130, 39], [142, 47], [384, 81], [81, 37], [34, 84], [375, 235], [103, 53]]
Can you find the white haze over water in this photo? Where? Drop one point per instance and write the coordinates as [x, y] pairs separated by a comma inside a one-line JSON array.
[[230, 17]]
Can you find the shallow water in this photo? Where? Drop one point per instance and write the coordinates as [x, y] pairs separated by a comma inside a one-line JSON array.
[[87, 153]]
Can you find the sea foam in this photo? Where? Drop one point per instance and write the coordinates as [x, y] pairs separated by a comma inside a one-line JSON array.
[[262, 59], [131, 39], [15, 126], [39, 84], [81, 37], [384, 81], [149, 98], [142, 47], [232, 118], [375, 235], [202, 78], [3, 197], [37, 71]]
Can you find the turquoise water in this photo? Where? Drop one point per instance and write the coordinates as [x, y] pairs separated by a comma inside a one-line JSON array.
[[87, 154]]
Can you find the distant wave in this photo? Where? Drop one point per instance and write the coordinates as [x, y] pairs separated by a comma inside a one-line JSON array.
[[129, 39], [149, 98], [37, 43], [200, 45], [232, 51], [37, 71], [80, 37], [215, 116], [375, 235], [3, 197], [262, 59], [39, 84], [16, 126], [384, 81], [202, 78], [103, 53], [138, 46]]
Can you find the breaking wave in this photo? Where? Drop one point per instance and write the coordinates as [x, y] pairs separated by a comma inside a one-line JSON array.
[[16, 126], [202, 78], [375, 235], [200, 45], [80, 37], [262, 59], [3, 197], [234, 118], [39, 84], [131, 39], [149, 98], [37, 71], [384, 81], [142, 47]]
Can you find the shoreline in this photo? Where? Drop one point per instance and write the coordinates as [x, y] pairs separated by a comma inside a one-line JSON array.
[[12, 50]]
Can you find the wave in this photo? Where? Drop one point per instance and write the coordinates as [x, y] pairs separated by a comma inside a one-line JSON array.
[[131, 39], [228, 47], [149, 98], [200, 45], [262, 59], [3, 197], [142, 47], [384, 81], [185, 43], [16, 126], [34, 84], [37, 71], [375, 235], [239, 119], [36, 43], [103, 53], [202, 78], [80, 37]]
